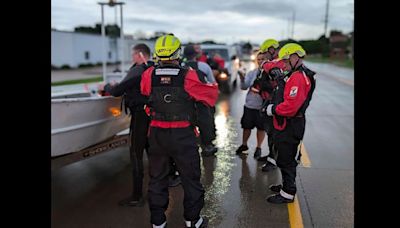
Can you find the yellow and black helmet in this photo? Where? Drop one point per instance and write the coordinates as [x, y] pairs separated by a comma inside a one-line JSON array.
[[289, 49], [167, 47], [267, 44]]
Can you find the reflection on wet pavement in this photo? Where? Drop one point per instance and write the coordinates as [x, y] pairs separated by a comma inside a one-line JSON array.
[[216, 179]]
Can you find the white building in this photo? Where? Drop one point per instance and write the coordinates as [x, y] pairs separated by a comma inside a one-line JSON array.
[[73, 49]]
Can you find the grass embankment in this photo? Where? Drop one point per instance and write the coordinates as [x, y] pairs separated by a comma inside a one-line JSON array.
[[77, 81], [349, 63]]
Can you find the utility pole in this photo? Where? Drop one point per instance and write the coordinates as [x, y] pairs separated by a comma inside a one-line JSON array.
[[326, 18], [111, 3], [288, 29], [293, 21], [103, 36], [115, 40]]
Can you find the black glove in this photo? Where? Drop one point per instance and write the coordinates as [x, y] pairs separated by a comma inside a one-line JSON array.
[[276, 73]]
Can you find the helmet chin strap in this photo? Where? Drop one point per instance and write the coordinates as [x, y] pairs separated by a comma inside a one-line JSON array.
[[293, 68]]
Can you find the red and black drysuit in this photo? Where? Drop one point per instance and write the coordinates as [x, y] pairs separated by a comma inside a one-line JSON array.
[[290, 101], [172, 91]]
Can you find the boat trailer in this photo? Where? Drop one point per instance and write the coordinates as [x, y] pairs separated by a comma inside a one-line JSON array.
[[99, 148]]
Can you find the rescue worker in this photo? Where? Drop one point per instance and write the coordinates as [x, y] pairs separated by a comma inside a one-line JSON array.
[[129, 88], [251, 114], [172, 91], [288, 109], [270, 48], [205, 116], [174, 178]]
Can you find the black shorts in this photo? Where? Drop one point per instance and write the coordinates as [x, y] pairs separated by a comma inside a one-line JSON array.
[[251, 118]]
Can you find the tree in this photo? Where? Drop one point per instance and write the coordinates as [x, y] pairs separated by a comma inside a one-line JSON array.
[[283, 42], [157, 34], [324, 44], [209, 42], [111, 30]]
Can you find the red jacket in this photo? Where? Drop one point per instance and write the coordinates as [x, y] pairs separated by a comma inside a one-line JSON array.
[[199, 91], [202, 58], [295, 93]]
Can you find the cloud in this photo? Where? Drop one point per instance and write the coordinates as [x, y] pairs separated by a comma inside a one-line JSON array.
[[150, 22], [211, 19]]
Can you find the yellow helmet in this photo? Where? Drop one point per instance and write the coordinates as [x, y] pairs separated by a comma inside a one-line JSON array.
[[267, 44], [167, 47], [291, 48]]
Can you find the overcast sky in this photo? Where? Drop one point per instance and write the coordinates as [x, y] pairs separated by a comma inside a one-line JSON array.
[[223, 21]]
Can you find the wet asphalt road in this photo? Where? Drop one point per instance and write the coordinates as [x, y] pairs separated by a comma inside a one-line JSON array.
[[85, 194]]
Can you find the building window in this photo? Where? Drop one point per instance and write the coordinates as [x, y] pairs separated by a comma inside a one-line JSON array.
[[87, 55], [109, 55]]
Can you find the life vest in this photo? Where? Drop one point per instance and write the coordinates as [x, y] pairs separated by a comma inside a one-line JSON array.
[[310, 75], [281, 121], [168, 99]]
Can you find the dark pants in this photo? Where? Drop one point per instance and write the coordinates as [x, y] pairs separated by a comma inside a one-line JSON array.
[[180, 144], [173, 169], [288, 159], [138, 135], [205, 122], [287, 143]]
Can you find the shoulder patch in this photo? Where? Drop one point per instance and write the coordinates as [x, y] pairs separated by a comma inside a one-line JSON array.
[[293, 91]]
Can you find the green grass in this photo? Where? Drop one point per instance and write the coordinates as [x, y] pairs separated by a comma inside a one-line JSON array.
[[349, 63], [78, 81]]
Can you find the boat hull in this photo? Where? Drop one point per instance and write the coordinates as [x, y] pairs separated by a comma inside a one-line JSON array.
[[77, 123]]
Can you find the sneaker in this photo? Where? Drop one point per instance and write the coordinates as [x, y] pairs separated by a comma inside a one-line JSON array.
[[262, 159], [275, 188], [242, 149], [268, 166], [279, 199], [164, 225], [209, 150], [132, 202], [257, 153], [203, 224], [174, 181]]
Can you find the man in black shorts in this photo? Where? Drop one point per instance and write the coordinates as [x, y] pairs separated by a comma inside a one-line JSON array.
[[251, 116]]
